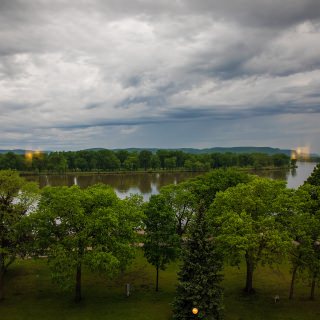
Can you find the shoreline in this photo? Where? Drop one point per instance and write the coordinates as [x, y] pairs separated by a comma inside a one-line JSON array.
[[79, 173]]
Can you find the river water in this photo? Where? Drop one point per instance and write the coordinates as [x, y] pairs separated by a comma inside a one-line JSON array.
[[147, 184]]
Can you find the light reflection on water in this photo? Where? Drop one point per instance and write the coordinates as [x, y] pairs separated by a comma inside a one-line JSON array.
[[150, 183]]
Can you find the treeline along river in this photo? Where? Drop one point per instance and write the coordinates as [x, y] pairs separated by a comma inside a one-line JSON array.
[[150, 183]]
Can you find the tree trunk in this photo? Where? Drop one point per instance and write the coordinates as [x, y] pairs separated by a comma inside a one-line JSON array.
[[1, 277], [157, 280], [1, 285], [293, 279], [249, 279], [78, 283], [313, 285]]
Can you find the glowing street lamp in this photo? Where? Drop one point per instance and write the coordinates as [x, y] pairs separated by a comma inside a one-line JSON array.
[[195, 310]]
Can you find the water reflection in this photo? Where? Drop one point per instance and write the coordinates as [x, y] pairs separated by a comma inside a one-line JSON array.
[[293, 172], [273, 174], [150, 183], [298, 176]]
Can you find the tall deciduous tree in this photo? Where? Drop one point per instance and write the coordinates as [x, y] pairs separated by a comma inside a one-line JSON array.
[[17, 199], [247, 219], [182, 202], [200, 274], [312, 184], [295, 207], [161, 241], [313, 254], [92, 227]]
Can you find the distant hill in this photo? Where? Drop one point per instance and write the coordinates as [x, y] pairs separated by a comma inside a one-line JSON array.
[[267, 150], [16, 151]]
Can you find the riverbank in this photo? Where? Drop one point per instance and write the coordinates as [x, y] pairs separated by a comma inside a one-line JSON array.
[[119, 172]]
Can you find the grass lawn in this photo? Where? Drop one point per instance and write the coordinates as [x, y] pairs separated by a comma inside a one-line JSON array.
[[30, 294]]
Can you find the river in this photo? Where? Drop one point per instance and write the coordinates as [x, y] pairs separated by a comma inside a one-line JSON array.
[[150, 183]]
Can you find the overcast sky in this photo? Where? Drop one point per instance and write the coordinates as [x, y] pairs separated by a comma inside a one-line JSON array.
[[78, 74]]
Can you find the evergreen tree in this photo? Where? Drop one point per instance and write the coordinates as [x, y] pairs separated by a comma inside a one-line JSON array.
[[200, 275], [314, 178]]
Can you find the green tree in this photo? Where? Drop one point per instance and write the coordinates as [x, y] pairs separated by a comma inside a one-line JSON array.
[[199, 278], [247, 219], [81, 163], [17, 199], [261, 160], [205, 187], [314, 178], [170, 163], [188, 164], [313, 240], [280, 160], [107, 160], [244, 160], [161, 241], [145, 159], [312, 184], [155, 162], [122, 155], [132, 162], [92, 227], [182, 202], [11, 160], [57, 162], [39, 161], [294, 207], [162, 155]]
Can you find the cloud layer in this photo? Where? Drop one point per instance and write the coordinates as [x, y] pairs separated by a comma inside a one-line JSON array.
[[78, 74]]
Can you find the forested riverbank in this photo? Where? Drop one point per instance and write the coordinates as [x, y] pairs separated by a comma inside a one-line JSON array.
[[144, 160]]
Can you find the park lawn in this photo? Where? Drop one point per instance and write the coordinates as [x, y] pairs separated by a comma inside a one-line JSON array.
[[30, 294], [268, 282]]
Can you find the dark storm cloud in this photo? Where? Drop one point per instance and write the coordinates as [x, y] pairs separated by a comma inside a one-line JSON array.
[[263, 13], [248, 12], [199, 113]]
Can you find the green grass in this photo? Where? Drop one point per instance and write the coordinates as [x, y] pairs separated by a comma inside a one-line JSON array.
[[268, 282], [30, 294]]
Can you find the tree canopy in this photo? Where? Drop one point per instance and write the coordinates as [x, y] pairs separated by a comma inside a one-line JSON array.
[[245, 221], [314, 178], [109, 160], [93, 227], [182, 202], [17, 199], [161, 241]]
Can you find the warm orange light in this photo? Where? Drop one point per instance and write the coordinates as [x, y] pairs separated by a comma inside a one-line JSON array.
[[195, 310], [29, 155]]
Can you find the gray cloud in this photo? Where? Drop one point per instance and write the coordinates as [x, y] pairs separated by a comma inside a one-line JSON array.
[[127, 68]]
